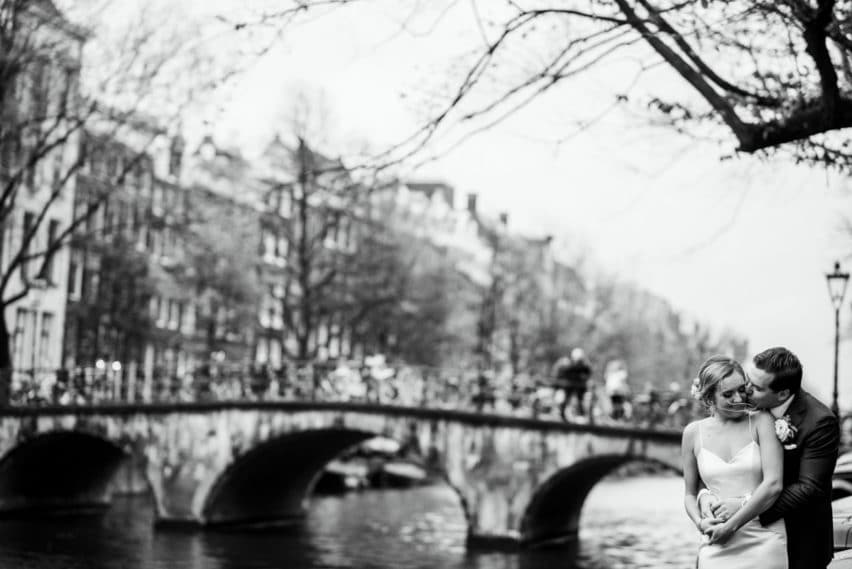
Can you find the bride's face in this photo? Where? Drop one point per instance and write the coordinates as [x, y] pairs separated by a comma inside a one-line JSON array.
[[730, 398]]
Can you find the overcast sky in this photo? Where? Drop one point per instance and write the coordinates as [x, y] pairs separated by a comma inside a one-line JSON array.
[[740, 243]]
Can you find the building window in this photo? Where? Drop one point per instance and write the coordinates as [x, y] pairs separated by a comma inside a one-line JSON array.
[[111, 166], [57, 176], [265, 312], [170, 362], [168, 242], [10, 150], [154, 307], [105, 224], [143, 243], [75, 270], [94, 286], [39, 91], [262, 351], [18, 337], [273, 246], [188, 322], [272, 200], [134, 218], [284, 204], [267, 244], [44, 345], [157, 201], [50, 255], [277, 312], [182, 363], [154, 242], [281, 248], [26, 242], [163, 314], [136, 174], [175, 156], [274, 352], [118, 218], [174, 314], [69, 90], [221, 322], [97, 165]]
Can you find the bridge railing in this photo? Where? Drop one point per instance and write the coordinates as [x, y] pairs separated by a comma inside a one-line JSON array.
[[415, 386], [325, 381]]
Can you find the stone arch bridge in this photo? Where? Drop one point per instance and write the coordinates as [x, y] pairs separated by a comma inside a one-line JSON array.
[[519, 480]]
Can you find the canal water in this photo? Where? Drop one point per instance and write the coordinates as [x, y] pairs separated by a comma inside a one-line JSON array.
[[632, 523]]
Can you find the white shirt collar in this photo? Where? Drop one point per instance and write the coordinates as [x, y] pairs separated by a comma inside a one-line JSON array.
[[781, 410]]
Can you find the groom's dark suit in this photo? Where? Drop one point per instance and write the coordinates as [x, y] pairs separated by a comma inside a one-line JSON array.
[[805, 502]]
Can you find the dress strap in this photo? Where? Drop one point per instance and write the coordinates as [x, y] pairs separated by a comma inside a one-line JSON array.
[[751, 431], [700, 442]]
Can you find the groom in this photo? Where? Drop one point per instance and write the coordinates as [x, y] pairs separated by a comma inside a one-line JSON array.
[[810, 434]]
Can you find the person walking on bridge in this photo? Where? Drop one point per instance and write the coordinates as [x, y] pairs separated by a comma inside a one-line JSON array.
[[571, 375]]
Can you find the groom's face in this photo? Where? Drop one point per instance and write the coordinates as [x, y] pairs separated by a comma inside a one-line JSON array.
[[758, 391]]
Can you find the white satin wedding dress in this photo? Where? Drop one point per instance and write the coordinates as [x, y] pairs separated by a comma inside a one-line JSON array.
[[753, 545]]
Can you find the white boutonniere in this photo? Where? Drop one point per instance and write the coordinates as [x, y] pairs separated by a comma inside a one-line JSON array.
[[785, 431]]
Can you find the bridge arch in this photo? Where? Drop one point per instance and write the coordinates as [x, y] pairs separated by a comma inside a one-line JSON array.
[[59, 470], [272, 482], [553, 514], [224, 463]]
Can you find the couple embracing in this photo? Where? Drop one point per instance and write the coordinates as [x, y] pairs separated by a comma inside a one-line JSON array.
[[758, 470]]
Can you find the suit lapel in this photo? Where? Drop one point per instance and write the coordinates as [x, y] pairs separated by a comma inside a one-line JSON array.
[[798, 413], [798, 409]]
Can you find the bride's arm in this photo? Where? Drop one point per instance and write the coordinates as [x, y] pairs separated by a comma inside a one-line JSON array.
[[772, 462], [691, 478]]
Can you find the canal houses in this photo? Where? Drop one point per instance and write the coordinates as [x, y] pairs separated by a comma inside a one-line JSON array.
[[183, 258], [123, 297], [39, 133]]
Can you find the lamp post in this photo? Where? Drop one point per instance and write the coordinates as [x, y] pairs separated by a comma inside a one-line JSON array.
[[837, 282]]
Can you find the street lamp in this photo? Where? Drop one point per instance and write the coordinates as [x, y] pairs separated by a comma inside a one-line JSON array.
[[837, 282]]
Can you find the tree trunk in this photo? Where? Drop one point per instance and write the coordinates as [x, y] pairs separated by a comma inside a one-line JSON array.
[[5, 362]]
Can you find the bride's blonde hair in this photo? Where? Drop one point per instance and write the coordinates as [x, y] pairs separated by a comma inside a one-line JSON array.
[[712, 372]]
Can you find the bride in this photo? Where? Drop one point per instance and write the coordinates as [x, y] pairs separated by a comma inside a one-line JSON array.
[[735, 454]]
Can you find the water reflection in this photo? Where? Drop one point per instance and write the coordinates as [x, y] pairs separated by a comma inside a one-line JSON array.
[[635, 523]]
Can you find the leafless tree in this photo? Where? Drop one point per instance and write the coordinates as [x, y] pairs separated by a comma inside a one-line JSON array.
[[59, 80], [775, 74], [339, 260], [222, 273]]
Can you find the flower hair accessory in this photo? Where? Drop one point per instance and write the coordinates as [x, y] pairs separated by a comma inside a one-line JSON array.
[[784, 430], [695, 390]]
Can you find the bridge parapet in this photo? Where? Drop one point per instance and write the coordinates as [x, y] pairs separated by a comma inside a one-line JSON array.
[[518, 479]]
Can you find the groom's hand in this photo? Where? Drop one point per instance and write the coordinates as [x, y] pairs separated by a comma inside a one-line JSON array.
[[720, 533], [706, 502], [724, 509]]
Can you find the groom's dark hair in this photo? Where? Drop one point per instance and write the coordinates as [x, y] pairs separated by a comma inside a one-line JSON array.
[[784, 366]]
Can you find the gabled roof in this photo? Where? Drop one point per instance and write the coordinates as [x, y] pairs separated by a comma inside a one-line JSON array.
[[430, 188], [48, 11], [279, 155]]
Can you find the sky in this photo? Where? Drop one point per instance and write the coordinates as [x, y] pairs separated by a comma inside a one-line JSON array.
[[740, 243]]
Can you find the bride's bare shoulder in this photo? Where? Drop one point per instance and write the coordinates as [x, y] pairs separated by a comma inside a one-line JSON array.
[[763, 417], [691, 429]]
